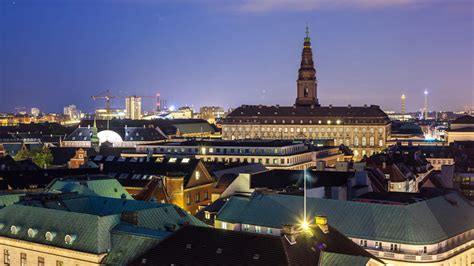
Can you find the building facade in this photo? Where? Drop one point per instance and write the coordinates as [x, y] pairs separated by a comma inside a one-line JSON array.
[[363, 129], [133, 107]]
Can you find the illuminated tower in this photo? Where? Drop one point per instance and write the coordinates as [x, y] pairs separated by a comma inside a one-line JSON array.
[[403, 107], [133, 107], [307, 83], [158, 103], [426, 105]]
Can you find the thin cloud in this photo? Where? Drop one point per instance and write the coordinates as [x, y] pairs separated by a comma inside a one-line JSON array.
[[308, 5]]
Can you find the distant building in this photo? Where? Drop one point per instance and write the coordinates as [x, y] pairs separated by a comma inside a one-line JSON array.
[[182, 113], [461, 129], [71, 112], [438, 231], [133, 107], [211, 113], [114, 113], [364, 129], [35, 111]]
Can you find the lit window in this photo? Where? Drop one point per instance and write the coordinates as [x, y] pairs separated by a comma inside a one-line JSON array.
[[198, 175], [6, 257], [245, 227], [258, 229], [269, 231], [185, 160], [172, 160], [40, 261], [224, 225], [207, 215]]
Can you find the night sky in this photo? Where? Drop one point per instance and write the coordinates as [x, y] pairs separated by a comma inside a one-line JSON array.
[[228, 53]]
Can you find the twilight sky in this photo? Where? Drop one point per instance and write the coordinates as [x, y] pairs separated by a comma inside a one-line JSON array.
[[233, 52]]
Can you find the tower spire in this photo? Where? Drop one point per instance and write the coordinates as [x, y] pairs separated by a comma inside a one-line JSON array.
[[307, 38], [307, 83]]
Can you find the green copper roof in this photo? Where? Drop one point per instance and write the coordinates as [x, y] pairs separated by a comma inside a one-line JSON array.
[[425, 222], [103, 187], [91, 232], [337, 259], [9, 199]]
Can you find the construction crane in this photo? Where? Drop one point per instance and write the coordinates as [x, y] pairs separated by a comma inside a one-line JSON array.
[[107, 96]]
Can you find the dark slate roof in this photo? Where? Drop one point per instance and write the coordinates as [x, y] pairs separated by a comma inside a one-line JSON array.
[[214, 207], [126, 133], [402, 197], [465, 119], [209, 246], [62, 155], [426, 222], [347, 115], [167, 126], [464, 129], [137, 172], [234, 143], [281, 179]]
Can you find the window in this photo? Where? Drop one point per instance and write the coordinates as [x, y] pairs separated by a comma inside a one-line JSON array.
[[258, 229], [224, 225], [188, 199], [198, 197], [371, 141], [40, 261], [23, 259], [365, 243], [424, 249], [6, 257], [380, 142], [269, 231], [198, 175], [245, 227], [206, 195], [207, 215], [59, 263], [364, 141]]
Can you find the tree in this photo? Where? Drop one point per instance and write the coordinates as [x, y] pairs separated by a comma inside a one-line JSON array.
[[40, 156]]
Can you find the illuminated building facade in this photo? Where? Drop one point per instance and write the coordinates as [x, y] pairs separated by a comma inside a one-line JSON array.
[[364, 129], [133, 107]]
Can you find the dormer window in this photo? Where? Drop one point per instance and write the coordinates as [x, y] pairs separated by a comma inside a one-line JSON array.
[[15, 229], [69, 239], [49, 236], [32, 232]]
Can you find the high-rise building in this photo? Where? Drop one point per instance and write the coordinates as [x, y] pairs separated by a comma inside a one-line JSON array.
[[72, 112], [133, 107], [35, 111], [403, 106]]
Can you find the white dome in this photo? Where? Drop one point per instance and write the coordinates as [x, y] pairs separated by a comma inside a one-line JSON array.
[[110, 136]]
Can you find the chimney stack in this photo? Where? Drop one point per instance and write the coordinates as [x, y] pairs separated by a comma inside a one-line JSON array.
[[322, 223]]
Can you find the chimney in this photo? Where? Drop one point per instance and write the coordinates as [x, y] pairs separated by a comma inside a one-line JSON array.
[[322, 223], [290, 232]]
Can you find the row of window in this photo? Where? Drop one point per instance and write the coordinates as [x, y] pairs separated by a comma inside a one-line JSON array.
[[23, 259], [328, 122], [304, 129], [265, 161], [197, 197], [257, 229], [393, 247]]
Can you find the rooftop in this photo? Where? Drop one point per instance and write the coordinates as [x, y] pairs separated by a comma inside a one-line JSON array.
[[426, 222]]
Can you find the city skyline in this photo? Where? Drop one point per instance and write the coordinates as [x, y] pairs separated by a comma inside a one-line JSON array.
[[201, 54]]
